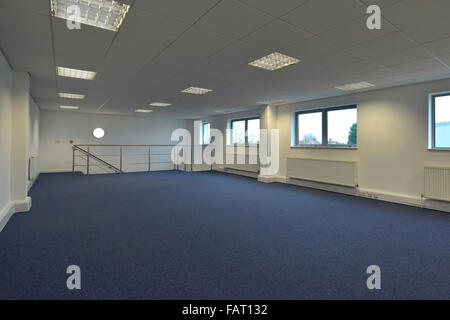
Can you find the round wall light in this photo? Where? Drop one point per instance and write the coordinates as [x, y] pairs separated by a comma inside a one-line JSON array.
[[99, 133]]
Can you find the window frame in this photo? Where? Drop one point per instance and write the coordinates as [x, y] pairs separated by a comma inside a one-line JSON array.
[[433, 120], [324, 143], [202, 134], [246, 129]]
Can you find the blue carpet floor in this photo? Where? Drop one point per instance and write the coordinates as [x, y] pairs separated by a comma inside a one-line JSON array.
[[175, 235]]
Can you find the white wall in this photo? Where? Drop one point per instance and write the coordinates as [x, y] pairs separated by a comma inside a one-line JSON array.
[[5, 136], [58, 128], [20, 141], [19, 138], [35, 112], [392, 138]]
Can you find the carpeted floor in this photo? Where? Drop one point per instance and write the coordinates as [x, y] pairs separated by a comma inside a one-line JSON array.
[[175, 235]]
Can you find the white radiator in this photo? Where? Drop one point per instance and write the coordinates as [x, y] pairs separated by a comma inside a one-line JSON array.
[[437, 183], [246, 166], [33, 167], [326, 171]]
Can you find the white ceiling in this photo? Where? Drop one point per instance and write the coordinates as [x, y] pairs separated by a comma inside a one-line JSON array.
[[165, 46]]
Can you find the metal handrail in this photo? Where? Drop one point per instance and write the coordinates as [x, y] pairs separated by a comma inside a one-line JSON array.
[[90, 155], [128, 145], [117, 167]]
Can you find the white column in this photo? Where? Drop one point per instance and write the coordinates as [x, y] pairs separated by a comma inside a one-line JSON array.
[[20, 141], [269, 122]]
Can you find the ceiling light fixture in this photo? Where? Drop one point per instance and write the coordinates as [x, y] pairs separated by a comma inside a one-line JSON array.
[[195, 90], [105, 14], [75, 73], [160, 104], [98, 133], [70, 107], [274, 61], [355, 86], [271, 102], [143, 110], [71, 96]]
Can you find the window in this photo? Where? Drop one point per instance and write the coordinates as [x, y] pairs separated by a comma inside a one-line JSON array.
[[205, 136], [327, 127], [441, 121], [310, 128], [245, 131]]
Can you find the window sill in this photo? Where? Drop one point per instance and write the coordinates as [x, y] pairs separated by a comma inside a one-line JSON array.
[[244, 145], [438, 149], [325, 147]]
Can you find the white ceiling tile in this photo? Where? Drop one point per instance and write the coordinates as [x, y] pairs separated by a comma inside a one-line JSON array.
[[275, 8], [401, 57], [439, 46], [311, 48], [16, 20], [445, 58], [320, 15], [39, 55], [237, 55], [276, 35], [417, 66], [430, 31], [430, 75], [409, 13], [355, 32], [381, 3], [390, 43], [24, 40], [82, 48], [187, 11], [195, 45], [350, 70], [143, 36], [37, 6], [26, 47], [339, 58], [224, 16]]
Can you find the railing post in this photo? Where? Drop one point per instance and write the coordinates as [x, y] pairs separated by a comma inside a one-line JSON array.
[[149, 158], [73, 160], [120, 158], [87, 161], [174, 158]]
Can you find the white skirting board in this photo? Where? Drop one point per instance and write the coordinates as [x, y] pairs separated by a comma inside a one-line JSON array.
[[13, 207], [249, 174], [22, 205], [361, 192], [5, 215]]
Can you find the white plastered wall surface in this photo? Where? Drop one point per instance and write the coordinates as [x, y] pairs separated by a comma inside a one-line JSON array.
[[393, 131]]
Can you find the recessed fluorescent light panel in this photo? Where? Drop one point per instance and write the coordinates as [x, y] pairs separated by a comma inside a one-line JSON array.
[[160, 104], [271, 102], [105, 14], [75, 73], [143, 110], [195, 90], [71, 96], [69, 107], [355, 86], [274, 61]]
